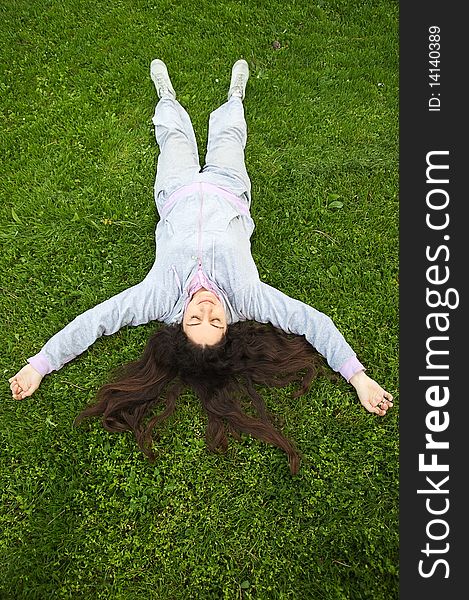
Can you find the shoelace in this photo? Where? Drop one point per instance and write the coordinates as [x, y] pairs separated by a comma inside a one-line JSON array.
[[239, 82], [238, 86], [161, 83]]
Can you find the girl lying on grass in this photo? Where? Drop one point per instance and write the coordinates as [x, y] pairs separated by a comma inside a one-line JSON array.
[[226, 331]]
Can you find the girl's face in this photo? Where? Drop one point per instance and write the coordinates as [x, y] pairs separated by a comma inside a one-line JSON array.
[[204, 320]]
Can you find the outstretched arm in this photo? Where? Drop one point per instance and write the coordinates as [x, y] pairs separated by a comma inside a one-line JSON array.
[[372, 396], [267, 304], [137, 305]]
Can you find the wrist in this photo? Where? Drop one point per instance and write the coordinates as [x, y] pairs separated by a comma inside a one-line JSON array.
[[350, 367], [40, 363], [357, 377]]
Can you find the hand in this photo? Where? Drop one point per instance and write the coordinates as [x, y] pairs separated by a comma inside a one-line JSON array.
[[25, 382], [371, 394]]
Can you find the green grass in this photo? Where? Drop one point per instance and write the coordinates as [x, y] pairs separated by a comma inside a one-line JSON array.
[[83, 515]]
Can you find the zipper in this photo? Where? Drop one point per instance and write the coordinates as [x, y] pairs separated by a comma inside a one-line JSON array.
[[199, 241]]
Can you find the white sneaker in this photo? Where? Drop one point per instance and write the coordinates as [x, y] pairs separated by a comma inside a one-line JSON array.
[[239, 79], [160, 77]]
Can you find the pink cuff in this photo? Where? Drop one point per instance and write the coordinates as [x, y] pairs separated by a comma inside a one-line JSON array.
[[40, 363], [350, 367]]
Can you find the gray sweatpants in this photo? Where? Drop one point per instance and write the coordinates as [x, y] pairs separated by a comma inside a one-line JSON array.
[[178, 161]]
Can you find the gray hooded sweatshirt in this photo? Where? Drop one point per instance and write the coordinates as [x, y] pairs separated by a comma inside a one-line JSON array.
[[202, 227]]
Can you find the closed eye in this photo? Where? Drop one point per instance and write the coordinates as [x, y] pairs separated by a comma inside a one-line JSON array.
[[199, 321], [212, 324]]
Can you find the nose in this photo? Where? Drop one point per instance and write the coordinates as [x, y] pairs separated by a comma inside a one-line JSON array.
[[206, 308]]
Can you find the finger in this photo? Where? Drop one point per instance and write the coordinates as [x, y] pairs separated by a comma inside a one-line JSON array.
[[384, 398], [385, 407], [24, 386], [380, 396]]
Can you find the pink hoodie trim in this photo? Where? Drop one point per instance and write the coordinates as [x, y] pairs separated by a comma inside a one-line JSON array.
[[40, 363], [350, 367], [195, 188], [200, 281]]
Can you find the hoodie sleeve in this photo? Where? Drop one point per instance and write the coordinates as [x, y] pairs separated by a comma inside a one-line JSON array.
[[137, 305], [266, 304]]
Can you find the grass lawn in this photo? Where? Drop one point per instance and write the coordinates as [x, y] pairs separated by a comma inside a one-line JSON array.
[[83, 515]]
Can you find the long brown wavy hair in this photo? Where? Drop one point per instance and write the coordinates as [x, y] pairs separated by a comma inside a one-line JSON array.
[[223, 376]]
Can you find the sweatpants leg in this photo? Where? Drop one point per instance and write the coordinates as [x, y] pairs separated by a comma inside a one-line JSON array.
[[178, 161], [224, 161]]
